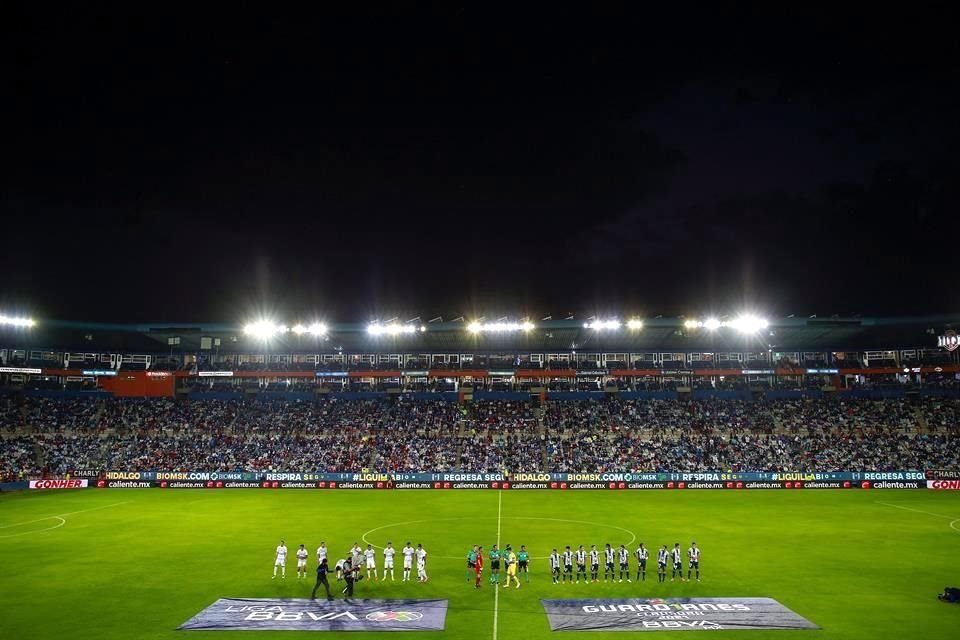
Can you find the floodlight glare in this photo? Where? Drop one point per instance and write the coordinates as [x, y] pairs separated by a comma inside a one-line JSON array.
[[377, 329], [712, 324], [264, 329], [499, 327], [316, 329], [692, 324], [600, 325], [635, 324], [17, 322], [748, 324]]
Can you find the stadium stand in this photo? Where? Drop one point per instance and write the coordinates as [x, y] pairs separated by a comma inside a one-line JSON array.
[[43, 436]]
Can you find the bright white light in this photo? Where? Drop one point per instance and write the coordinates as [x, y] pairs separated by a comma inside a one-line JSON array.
[[377, 329], [264, 329], [748, 324], [17, 322], [499, 327], [600, 325], [712, 324], [635, 324], [316, 329], [692, 324]]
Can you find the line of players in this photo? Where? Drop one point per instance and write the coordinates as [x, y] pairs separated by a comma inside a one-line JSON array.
[[354, 560], [561, 564]]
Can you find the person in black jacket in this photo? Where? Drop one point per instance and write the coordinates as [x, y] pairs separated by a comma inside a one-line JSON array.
[[322, 570], [349, 576]]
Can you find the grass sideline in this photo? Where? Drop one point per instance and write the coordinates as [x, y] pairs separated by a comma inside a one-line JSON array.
[[121, 564]]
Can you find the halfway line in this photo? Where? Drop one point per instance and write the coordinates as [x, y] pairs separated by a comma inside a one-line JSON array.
[[496, 587]]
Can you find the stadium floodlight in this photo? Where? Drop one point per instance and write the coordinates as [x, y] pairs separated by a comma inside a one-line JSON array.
[[748, 324], [264, 329], [692, 324], [634, 324], [712, 324], [600, 325], [499, 327], [392, 329], [11, 321], [316, 329]]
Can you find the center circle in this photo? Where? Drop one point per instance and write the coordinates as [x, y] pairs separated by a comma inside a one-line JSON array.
[[532, 529]]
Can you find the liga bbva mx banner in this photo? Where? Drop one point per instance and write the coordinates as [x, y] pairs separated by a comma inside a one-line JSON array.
[[671, 614], [296, 614]]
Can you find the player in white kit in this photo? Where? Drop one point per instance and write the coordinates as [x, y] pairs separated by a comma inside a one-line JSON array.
[[408, 553], [302, 555], [388, 553], [371, 559], [321, 552], [281, 560], [421, 564]]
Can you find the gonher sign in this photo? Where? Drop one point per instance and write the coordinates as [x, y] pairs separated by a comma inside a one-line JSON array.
[[294, 614], [671, 614], [60, 483], [949, 485], [949, 340]]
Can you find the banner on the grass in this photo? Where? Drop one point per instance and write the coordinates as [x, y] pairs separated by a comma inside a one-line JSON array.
[[671, 614], [294, 614]]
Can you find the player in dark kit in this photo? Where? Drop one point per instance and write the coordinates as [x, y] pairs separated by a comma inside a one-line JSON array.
[[322, 570], [623, 556], [608, 564], [568, 564], [555, 566], [677, 563], [642, 556], [693, 557], [581, 564], [662, 556], [594, 563]]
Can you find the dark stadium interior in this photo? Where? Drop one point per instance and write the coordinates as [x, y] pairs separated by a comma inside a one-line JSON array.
[[381, 162]]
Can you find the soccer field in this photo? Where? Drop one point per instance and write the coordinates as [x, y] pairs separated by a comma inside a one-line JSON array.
[[115, 564]]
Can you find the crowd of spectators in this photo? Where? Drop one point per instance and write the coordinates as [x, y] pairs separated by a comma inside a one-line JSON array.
[[46, 436]]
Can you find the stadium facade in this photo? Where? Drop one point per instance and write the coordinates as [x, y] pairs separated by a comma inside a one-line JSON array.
[[659, 355]]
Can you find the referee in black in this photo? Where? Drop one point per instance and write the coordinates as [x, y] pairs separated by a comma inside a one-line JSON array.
[[322, 571]]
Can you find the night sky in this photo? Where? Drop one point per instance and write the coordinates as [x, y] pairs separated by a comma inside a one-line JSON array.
[[195, 168]]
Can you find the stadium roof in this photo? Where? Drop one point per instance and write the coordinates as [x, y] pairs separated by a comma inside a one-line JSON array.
[[661, 335]]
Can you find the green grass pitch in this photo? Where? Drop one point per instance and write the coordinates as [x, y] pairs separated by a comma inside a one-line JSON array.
[[122, 564]]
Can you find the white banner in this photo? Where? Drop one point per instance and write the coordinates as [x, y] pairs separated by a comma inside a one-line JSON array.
[[215, 374], [943, 484], [59, 483], [19, 370]]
